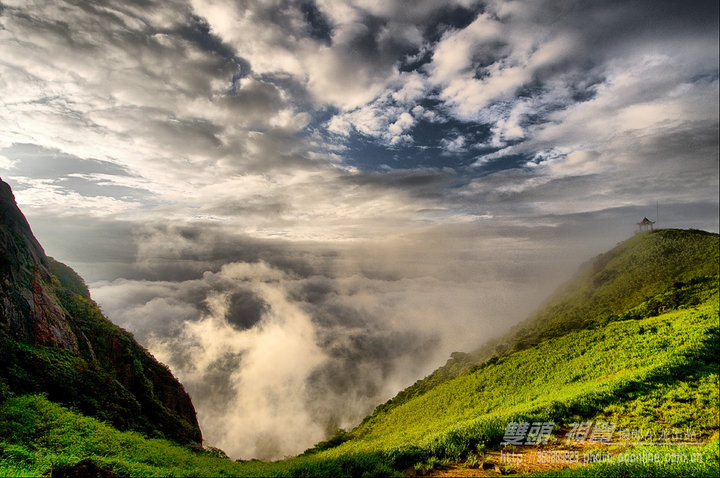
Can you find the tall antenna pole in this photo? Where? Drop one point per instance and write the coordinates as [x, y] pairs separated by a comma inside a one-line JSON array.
[[657, 211]]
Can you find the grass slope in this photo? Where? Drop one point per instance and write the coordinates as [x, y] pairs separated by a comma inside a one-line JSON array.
[[606, 371], [662, 270], [39, 435], [638, 269]]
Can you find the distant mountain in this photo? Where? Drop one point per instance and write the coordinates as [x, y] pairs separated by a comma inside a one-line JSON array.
[[55, 340], [643, 268], [658, 270]]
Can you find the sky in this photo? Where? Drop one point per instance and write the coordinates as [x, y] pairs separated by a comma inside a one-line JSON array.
[[302, 207]]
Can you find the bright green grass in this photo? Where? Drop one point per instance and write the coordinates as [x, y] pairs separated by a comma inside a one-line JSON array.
[[576, 375], [647, 275], [653, 461], [39, 435], [644, 266]]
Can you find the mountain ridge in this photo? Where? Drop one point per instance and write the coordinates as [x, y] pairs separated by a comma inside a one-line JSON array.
[[55, 340], [571, 298], [27, 310]]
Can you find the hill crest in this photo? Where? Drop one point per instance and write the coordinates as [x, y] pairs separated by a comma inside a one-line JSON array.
[[643, 276]]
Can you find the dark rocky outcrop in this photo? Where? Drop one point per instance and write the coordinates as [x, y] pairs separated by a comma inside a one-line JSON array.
[[55, 340], [82, 469], [27, 311]]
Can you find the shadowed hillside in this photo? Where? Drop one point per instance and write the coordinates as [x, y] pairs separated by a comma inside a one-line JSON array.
[[55, 340]]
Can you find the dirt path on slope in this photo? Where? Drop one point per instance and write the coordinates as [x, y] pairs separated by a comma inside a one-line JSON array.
[[526, 460]]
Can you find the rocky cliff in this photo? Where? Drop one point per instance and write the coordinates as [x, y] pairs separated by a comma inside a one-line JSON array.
[[55, 340], [28, 312]]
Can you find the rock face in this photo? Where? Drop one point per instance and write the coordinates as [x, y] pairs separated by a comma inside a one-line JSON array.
[[82, 469], [27, 311], [55, 340]]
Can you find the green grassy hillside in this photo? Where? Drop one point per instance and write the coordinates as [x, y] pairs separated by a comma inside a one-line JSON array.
[[642, 356], [630, 338], [656, 372], [643, 267], [663, 270]]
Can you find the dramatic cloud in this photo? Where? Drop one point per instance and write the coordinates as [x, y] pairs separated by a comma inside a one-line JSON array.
[[304, 206], [292, 341]]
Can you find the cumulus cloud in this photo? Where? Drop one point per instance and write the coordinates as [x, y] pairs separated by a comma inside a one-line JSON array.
[[454, 145], [344, 54]]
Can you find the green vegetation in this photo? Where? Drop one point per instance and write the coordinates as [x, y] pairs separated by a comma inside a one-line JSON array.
[[578, 376], [68, 279], [644, 359], [655, 462], [631, 338], [86, 386], [646, 275], [638, 269], [39, 434]]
